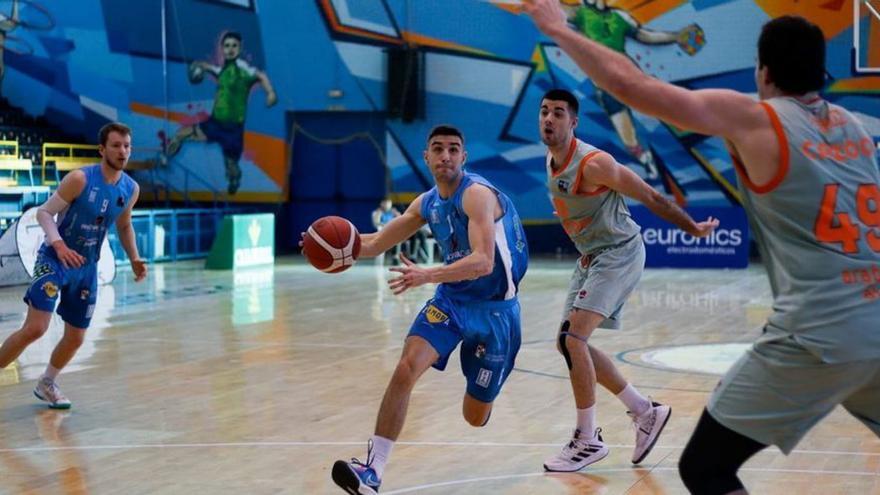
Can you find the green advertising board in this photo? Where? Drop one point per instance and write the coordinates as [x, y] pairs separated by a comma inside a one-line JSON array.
[[243, 240]]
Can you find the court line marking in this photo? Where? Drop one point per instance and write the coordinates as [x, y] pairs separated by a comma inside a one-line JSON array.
[[609, 470], [361, 443]]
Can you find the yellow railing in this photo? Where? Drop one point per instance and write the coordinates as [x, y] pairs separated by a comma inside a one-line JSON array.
[[10, 161], [8, 150], [66, 158]]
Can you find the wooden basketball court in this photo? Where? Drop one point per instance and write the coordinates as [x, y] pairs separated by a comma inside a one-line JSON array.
[[257, 381]]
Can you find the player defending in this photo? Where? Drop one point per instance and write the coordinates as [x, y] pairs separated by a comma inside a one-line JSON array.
[[811, 188], [88, 202], [587, 187], [485, 255]]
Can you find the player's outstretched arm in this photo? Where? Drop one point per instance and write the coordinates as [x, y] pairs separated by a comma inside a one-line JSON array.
[[603, 170], [712, 111], [125, 230], [399, 229]]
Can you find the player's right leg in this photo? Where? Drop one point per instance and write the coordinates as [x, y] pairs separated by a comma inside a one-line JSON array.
[[41, 297], [586, 446], [35, 325]]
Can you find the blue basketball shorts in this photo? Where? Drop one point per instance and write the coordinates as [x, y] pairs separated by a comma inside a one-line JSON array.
[[489, 333], [77, 288]]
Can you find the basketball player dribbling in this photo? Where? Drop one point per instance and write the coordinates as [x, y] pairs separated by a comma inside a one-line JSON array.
[[485, 256], [811, 188]]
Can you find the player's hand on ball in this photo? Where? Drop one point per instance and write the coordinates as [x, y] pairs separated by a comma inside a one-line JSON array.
[[411, 275]]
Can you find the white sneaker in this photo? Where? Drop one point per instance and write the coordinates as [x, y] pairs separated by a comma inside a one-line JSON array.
[[578, 453], [648, 426], [47, 390]]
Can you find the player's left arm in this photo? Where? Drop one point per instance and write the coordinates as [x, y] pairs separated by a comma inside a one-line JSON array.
[[479, 204], [126, 237], [263, 79], [717, 112], [603, 170]]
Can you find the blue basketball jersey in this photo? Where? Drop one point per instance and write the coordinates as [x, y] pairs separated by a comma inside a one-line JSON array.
[[84, 224], [449, 224]]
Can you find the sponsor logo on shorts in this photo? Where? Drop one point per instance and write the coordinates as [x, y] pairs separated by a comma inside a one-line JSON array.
[[582, 294], [484, 377], [50, 289], [90, 310], [434, 315]]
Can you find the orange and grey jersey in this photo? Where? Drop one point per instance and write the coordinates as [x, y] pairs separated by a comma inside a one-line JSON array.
[[596, 220], [817, 225]]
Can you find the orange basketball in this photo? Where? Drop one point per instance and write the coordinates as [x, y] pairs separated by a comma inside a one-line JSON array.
[[332, 244]]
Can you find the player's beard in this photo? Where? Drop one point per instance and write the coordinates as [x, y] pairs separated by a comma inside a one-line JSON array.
[[117, 163]]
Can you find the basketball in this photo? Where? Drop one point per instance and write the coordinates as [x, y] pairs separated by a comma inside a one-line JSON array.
[[331, 244]]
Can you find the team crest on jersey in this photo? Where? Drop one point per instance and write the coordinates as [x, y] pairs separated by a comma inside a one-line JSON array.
[[50, 289], [434, 315], [120, 202], [84, 294], [435, 215], [563, 185]]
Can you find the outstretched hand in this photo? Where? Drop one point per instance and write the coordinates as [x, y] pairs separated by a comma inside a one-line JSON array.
[[547, 15], [702, 229], [411, 275]]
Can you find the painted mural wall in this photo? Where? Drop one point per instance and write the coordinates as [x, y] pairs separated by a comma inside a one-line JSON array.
[[210, 86]]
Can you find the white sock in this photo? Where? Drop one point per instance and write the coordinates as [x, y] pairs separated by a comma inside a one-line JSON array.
[[51, 372], [587, 421], [380, 453], [637, 403]]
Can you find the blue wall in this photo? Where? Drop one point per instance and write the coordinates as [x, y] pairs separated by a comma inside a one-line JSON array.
[[485, 70]]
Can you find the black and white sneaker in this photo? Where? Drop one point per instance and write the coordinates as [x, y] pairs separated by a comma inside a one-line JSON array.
[[578, 453], [648, 427]]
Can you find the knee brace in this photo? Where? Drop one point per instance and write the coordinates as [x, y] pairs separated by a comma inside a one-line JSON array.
[[563, 347]]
